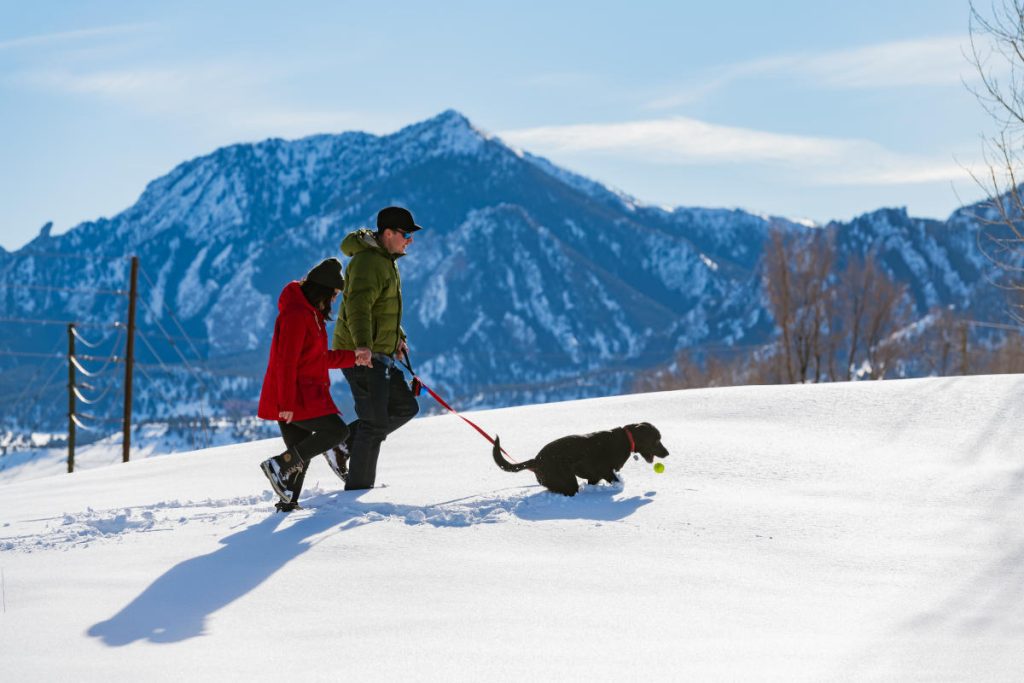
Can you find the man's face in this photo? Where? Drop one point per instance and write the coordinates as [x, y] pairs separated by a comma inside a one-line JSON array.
[[395, 241]]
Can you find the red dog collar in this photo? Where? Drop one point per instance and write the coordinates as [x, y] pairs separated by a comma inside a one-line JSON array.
[[632, 444]]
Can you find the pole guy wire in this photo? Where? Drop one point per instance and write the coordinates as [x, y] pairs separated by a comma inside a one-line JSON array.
[[173, 317], [156, 320]]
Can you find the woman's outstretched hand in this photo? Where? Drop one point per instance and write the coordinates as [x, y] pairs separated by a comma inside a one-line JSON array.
[[364, 356]]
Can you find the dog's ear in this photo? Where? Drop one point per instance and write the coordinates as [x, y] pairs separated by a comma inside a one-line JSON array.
[[646, 429], [648, 440]]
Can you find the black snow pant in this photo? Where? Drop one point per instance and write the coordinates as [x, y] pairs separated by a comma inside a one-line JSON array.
[[309, 438], [383, 403]]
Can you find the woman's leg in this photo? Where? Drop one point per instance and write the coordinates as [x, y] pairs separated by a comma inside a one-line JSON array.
[[293, 435], [318, 435]]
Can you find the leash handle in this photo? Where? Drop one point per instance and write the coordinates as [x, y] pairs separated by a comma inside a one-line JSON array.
[[417, 384], [444, 404]]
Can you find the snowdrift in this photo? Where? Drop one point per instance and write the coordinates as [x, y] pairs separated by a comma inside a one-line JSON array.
[[843, 531]]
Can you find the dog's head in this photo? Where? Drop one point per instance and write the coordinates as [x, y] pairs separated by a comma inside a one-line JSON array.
[[647, 440]]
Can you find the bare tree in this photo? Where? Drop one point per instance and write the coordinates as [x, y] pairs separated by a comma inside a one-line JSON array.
[[1008, 357], [886, 314], [779, 290], [872, 310], [797, 271], [997, 54]]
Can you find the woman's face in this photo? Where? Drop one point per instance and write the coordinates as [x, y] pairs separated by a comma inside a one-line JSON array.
[[330, 304]]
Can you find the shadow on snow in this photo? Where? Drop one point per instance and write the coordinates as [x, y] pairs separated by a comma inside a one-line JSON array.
[[176, 605]]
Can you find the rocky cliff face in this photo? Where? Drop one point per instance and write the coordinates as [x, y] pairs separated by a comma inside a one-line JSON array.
[[528, 283]]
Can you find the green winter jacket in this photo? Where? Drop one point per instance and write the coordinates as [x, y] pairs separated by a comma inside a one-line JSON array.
[[371, 311]]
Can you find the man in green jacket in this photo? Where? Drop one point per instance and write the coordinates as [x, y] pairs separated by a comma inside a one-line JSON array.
[[371, 325]]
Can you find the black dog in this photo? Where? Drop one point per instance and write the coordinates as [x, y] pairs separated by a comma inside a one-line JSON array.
[[592, 457]]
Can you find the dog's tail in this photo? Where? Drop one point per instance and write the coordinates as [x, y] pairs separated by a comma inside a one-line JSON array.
[[505, 464]]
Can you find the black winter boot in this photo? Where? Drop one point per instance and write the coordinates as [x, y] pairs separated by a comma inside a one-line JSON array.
[[337, 458], [282, 472]]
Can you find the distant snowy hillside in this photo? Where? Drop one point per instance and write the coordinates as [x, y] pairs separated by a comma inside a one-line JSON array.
[[856, 531], [530, 283]]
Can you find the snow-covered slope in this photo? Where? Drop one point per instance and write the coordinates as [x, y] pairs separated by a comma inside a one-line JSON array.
[[864, 531]]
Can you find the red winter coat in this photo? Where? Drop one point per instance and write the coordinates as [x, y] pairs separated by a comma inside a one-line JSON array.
[[297, 378]]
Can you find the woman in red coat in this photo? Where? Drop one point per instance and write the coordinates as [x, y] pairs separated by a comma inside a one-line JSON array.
[[296, 389]]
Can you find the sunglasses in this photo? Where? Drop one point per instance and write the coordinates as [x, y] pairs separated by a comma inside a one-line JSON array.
[[403, 233]]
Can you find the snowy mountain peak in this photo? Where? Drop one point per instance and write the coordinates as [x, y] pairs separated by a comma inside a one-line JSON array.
[[447, 134]]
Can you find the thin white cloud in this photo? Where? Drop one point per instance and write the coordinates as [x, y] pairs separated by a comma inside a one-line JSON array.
[[689, 142], [929, 61], [721, 78], [932, 61], [64, 36], [679, 140], [226, 95], [153, 89], [146, 81]]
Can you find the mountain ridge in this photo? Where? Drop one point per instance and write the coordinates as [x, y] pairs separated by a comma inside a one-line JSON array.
[[549, 274]]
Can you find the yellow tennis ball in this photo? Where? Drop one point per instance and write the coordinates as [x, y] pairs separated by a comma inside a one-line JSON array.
[[659, 467]]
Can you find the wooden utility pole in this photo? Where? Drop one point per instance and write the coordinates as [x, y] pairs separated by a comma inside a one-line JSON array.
[[129, 358], [71, 397]]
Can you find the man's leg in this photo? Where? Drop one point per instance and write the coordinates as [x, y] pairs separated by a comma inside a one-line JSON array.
[[402, 405], [370, 389]]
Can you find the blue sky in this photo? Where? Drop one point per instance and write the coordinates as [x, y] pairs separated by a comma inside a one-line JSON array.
[[806, 109]]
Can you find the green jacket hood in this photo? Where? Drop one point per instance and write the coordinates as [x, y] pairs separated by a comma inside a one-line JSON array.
[[370, 314], [362, 240]]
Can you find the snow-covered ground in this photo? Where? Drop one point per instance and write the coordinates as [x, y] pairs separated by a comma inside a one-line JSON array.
[[150, 439], [865, 531]]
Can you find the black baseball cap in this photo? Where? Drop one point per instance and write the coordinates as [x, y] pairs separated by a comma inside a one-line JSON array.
[[396, 218]]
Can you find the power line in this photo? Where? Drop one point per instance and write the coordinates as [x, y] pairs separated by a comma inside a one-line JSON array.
[[173, 317], [64, 323], [81, 257], [93, 401], [31, 354], [81, 425], [21, 406], [109, 420], [42, 288], [142, 367], [93, 345], [149, 346], [156, 319], [186, 338], [109, 359], [172, 344], [997, 326]]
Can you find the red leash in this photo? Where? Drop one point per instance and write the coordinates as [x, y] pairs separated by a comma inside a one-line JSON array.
[[444, 404]]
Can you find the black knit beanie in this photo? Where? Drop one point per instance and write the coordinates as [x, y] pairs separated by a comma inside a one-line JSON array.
[[327, 273]]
